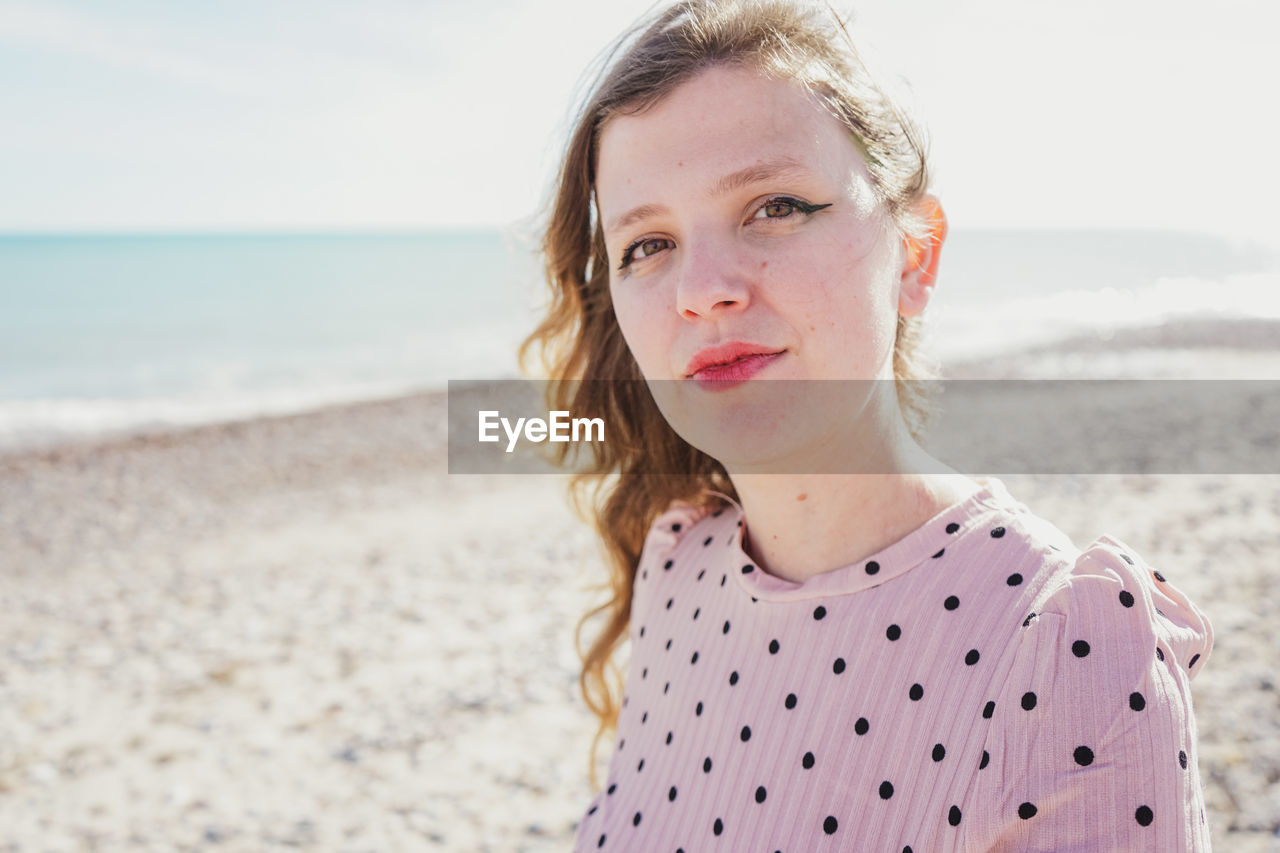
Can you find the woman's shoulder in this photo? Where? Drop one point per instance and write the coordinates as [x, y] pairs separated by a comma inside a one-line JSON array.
[[673, 524], [1108, 588]]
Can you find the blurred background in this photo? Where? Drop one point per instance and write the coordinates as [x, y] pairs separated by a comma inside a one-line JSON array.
[[243, 247]]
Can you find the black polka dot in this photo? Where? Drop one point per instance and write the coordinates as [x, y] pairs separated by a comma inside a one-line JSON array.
[[986, 759], [790, 701], [951, 603], [600, 843], [724, 578], [725, 629], [916, 693], [760, 794], [706, 765], [1125, 557], [972, 657], [644, 673], [1143, 816], [830, 825], [1014, 579], [644, 718], [1083, 756], [1182, 759], [1126, 598], [694, 659], [872, 567], [696, 612], [706, 542], [668, 564], [1159, 653], [819, 612], [675, 528], [733, 678], [893, 632], [1026, 811], [612, 788], [941, 551], [745, 734], [1028, 700], [997, 532], [1080, 648], [838, 666], [988, 710], [773, 647], [748, 569], [939, 752], [669, 645], [635, 821], [665, 688], [671, 794], [670, 601], [952, 527], [953, 816], [718, 826], [1194, 658], [640, 766], [697, 712], [807, 761], [886, 790], [701, 575], [861, 727], [669, 736], [641, 630], [1028, 620], [592, 810], [1160, 578], [1137, 701]]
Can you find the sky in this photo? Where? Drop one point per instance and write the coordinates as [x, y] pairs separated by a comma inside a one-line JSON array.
[[448, 114]]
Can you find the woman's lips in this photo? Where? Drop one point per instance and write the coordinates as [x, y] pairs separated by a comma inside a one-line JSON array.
[[720, 377]]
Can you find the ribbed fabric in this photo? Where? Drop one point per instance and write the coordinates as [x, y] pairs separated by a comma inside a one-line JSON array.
[[981, 684]]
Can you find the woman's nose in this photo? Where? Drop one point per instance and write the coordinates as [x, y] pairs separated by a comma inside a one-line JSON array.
[[710, 280]]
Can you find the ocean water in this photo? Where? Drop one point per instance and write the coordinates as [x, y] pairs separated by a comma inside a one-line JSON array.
[[109, 333]]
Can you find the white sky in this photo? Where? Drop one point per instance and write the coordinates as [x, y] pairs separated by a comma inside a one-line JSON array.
[[136, 115]]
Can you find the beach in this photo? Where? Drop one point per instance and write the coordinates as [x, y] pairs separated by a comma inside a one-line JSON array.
[[302, 632]]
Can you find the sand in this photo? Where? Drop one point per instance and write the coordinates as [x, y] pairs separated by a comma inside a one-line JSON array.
[[300, 632]]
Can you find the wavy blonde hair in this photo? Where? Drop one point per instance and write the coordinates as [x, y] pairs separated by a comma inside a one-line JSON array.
[[579, 338]]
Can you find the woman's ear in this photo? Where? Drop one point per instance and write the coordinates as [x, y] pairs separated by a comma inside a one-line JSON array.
[[920, 265]]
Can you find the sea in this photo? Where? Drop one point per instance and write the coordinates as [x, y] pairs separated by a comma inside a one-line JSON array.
[[115, 333]]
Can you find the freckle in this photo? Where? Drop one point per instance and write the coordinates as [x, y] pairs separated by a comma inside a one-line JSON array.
[[802, 496], [764, 264], [813, 329], [681, 163]]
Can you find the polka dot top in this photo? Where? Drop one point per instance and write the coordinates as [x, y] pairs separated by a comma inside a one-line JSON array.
[[979, 684]]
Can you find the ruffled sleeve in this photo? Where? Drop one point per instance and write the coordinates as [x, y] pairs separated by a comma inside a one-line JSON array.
[[1092, 744], [664, 535]]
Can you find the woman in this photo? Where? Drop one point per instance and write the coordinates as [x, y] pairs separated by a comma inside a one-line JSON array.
[[837, 642]]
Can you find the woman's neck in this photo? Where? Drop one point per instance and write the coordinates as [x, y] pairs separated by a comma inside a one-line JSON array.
[[802, 525]]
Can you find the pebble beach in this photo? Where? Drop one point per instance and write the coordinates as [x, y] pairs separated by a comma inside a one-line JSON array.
[[301, 632]]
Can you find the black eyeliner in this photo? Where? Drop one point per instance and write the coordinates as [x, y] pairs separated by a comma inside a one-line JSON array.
[[804, 207]]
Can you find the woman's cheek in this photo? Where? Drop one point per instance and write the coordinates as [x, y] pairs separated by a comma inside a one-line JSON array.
[[631, 321]]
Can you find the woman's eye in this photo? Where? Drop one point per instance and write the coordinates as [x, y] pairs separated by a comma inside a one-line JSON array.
[[778, 208], [645, 248], [783, 207]]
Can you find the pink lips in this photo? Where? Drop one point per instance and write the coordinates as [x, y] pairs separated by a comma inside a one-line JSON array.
[[727, 365]]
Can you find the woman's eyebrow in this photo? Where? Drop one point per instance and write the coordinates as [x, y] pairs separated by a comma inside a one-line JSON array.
[[781, 167]]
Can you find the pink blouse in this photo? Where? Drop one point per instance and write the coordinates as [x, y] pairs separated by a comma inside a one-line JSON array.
[[981, 684]]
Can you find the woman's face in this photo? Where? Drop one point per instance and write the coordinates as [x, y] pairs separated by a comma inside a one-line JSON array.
[[710, 205]]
